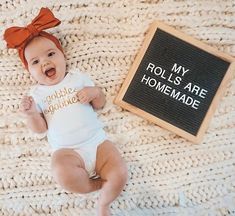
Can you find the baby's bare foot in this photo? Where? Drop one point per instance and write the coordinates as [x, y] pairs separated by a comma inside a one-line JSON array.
[[104, 211]]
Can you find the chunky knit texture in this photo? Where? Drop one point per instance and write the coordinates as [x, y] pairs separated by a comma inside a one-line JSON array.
[[167, 174]]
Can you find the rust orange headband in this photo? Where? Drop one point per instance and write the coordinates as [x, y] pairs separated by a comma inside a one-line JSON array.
[[19, 37]]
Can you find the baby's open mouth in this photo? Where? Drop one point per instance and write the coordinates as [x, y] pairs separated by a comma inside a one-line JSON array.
[[50, 72]]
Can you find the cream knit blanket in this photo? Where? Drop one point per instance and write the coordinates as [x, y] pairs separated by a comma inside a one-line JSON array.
[[167, 174]]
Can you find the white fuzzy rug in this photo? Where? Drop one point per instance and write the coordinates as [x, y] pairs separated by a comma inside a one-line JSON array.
[[167, 174]]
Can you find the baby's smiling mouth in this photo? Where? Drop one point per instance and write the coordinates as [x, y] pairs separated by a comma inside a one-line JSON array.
[[50, 72]]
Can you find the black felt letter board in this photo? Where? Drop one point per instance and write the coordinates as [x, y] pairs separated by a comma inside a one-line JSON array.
[[174, 81]]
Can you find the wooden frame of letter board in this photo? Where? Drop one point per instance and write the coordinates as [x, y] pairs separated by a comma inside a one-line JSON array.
[[227, 77]]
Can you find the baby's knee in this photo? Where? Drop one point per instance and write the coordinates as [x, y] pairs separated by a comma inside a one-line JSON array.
[[65, 177], [62, 175], [72, 179]]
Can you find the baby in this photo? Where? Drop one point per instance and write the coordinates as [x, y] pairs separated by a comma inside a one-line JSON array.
[[62, 103]]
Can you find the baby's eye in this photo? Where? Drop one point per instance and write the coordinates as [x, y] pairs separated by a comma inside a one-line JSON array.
[[51, 54], [35, 62]]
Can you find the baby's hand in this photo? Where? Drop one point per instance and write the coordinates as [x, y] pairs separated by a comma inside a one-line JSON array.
[[87, 94], [28, 106]]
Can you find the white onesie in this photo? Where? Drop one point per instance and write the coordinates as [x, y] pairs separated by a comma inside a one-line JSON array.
[[70, 123]]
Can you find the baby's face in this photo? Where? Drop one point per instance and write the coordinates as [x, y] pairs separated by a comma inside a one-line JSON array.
[[46, 62]]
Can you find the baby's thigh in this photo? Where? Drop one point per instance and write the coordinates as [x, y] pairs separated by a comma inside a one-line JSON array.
[[109, 163]]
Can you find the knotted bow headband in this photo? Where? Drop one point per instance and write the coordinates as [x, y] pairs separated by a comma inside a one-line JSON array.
[[19, 37]]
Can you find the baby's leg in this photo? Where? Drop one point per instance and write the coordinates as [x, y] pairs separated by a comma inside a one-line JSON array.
[[113, 171], [69, 171]]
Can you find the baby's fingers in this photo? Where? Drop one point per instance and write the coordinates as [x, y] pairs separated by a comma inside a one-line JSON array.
[[84, 100], [81, 96], [26, 99], [25, 105]]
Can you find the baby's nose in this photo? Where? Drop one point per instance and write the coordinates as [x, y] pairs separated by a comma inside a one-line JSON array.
[[45, 63]]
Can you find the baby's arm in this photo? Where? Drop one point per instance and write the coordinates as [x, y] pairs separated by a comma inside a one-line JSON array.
[[35, 120], [93, 95]]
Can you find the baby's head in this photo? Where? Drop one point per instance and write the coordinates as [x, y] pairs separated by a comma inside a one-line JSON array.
[[39, 51], [45, 62]]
